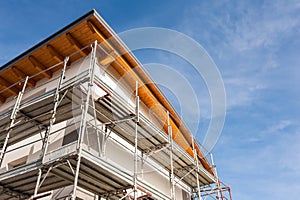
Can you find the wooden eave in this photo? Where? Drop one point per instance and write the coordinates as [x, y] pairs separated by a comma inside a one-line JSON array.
[[75, 36]]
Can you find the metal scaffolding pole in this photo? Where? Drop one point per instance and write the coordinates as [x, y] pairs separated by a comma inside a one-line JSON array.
[[180, 162], [197, 169], [220, 195], [56, 104], [82, 129], [12, 120], [38, 183], [137, 119], [172, 181], [57, 100]]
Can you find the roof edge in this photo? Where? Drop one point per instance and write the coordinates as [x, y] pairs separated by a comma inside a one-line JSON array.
[[45, 41]]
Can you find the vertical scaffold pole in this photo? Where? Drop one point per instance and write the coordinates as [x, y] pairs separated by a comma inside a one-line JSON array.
[[172, 181], [137, 120], [56, 104], [52, 121], [82, 128], [12, 120], [220, 194], [37, 183], [197, 169]]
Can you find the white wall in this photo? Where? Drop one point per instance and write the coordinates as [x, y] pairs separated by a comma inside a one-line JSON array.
[[115, 152]]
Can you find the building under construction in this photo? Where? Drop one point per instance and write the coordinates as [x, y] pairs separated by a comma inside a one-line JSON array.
[[81, 119]]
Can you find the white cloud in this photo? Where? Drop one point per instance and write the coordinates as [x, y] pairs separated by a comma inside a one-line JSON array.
[[278, 127], [270, 168], [252, 27], [260, 152], [246, 38], [241, 90]]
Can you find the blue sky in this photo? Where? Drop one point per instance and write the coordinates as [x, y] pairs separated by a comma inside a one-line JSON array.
[[255, 45]]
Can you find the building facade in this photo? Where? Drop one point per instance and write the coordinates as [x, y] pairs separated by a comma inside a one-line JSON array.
[[81, 119]]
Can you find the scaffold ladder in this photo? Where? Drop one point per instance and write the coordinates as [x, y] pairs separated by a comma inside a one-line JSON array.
[[57, 100], [12, 120]]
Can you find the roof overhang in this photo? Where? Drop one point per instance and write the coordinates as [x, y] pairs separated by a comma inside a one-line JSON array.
[[80, 33]]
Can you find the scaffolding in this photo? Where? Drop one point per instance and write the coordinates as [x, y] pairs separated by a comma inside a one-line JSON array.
[[95, 120]]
